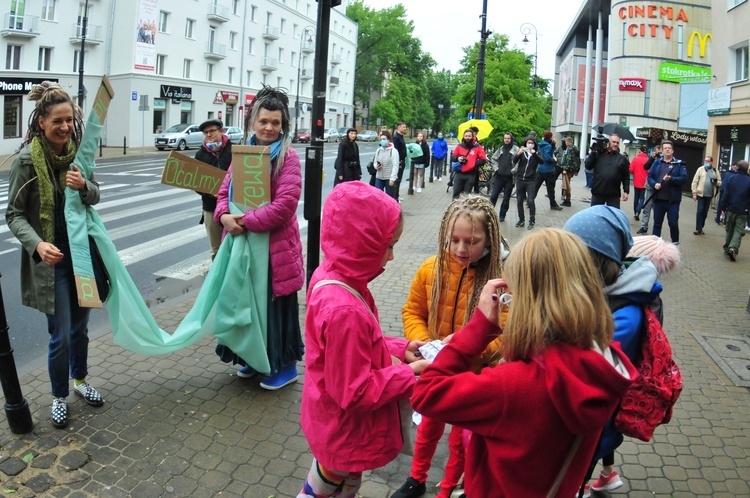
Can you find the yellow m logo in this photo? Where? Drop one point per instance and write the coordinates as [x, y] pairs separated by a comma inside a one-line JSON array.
[[702, 40]]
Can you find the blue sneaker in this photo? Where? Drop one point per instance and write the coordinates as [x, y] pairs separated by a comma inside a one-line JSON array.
[[246, 372], [282, 378]]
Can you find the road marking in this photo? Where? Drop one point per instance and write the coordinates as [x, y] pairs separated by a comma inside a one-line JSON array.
[[159, 245], [188, 269]]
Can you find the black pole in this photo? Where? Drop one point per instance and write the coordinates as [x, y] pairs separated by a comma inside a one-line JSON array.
[[479, 102], [84, 27], [16, 408], [297, 107], [314, 153]]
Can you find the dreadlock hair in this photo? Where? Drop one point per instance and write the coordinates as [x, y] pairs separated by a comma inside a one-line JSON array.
[[271, 99], [482, 216], [47, 94]]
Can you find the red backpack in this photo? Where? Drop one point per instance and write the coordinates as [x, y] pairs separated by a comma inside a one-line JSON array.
[[648, 402]]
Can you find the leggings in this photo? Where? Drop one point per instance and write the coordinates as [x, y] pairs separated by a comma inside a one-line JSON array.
[[322, 482]]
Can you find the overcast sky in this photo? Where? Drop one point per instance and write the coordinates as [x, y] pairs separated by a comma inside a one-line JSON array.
[[445, 31]]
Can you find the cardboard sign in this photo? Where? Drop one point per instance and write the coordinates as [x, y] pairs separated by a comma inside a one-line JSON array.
[[185, 172], [104, 96], [251, 175]]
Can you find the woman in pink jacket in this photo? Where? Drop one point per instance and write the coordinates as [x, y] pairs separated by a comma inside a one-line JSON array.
[[354, 375], [268, 118]]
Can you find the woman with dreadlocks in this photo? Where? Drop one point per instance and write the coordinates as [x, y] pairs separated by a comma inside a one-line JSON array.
[[268, 121], [36, 216], [442, 299]]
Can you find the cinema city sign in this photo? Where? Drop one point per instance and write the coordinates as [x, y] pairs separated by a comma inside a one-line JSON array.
[[649, 20]]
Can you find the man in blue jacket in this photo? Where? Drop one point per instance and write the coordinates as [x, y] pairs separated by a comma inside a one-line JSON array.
[[545, 172], [666, 177], [735, 205], [439, 153]]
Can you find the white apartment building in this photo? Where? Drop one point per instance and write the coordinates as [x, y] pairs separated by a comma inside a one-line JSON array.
[[172, 61]]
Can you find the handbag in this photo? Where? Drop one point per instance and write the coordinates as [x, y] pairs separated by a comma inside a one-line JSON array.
[[371, 168]]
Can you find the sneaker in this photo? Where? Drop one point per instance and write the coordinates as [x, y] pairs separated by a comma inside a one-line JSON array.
[[419, 190], [502, 218], [698, 232], [566, 204], [733, 254], [440, 179], [642, 231], [586, 491], [59, 412], [88, 393], [411, 489], [609, 483], [637, 217], [556, 208], [531, 226], [282, 378], [520, 224], [246, 372]]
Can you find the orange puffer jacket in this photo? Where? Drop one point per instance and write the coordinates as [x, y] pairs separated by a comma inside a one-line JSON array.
[[452, 306]]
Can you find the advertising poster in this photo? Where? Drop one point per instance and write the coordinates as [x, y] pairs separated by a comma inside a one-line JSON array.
[[563, 97], [582, 89], [145, 35]]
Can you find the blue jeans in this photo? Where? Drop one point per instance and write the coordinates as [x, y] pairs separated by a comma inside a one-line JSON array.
[[638, 198], [589, 178], [672, 210], [385, 185], [68, 330], [704, 203]]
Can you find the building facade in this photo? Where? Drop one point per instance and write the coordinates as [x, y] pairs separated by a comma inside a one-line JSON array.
[[729, 97], [172, 61]]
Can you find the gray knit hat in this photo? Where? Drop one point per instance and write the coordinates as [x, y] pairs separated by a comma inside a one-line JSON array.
[[604, 229]]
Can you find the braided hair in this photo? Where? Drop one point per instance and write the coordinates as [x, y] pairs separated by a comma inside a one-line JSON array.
[[482, 215], [271, 99], [46, 95]]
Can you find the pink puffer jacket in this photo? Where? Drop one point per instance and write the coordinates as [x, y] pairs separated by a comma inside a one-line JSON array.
[[279, 217]]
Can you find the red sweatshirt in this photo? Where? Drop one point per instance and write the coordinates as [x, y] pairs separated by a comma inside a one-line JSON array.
[[523, 415]]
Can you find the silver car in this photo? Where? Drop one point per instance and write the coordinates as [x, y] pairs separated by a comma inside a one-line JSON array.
[[180, 136], [367, 136], [234, 134], [331, 135]]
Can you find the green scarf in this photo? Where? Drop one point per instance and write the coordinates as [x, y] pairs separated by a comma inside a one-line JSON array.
[[45, 160]]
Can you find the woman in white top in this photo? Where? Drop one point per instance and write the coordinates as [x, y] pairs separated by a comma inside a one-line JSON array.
[[386, 164]]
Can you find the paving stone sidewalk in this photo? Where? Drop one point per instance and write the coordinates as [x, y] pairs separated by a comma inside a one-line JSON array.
[[184, 425]]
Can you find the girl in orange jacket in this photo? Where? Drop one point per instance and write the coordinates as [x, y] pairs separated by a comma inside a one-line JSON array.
[[442, 298]]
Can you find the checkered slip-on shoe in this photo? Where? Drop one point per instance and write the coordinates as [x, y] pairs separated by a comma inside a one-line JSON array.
[[89, 394], [59, 412]]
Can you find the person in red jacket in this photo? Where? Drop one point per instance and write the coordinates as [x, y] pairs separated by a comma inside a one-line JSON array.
[[639, 180], [465, 159], [559, 384]]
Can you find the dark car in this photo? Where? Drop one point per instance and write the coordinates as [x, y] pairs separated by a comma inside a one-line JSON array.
[[303, 135]]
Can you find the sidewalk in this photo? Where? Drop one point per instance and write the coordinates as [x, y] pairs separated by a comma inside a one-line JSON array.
[[184, 425]]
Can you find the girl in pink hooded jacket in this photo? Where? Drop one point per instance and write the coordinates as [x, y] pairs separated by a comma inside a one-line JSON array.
[[354, 375]]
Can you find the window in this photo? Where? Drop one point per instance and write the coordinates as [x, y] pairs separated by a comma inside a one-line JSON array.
[[13, 57], [45, 54], [281, 55], [163, 21], [282, 25], [734, 3], [189, 25], [75, 61], [293, 59], [740, 62], [48, 10], [250, 48], [236, 7], [186, 66], [161, 59], [278, 82], [233, 40], [12, 116], [209, 72], [248, 78], [253, 13], [230, 76]]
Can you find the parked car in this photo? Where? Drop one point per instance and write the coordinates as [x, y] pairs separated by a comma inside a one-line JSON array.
[[331, 135], [343, 132], [367, 136], [235, 134], [303, 135], [180, 136]]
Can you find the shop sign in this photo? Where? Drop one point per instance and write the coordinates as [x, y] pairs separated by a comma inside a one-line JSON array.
[[632, 84], [650, 20], [248, 99], [682, 73], [217, 98], [15, 86], [735, 134], [230, 97], [719, 101], [176, 92], [677, 137]]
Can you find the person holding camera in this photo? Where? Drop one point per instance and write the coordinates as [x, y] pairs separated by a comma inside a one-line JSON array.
[[705, 186], [466, 158], [666, 177], [610, 169], [347, 162]]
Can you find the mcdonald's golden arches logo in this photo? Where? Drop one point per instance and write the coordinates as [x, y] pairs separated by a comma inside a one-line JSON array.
[[702, 40]]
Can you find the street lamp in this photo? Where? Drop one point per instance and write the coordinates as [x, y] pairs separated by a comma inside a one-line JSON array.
[[311, 30], [83, 27], [526, 29]]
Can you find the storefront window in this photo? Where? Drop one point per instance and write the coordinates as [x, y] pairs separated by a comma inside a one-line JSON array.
[[12, 117], [186, 111], [160, 113]]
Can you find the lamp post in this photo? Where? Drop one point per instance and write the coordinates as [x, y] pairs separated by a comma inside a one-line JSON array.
[[84, 27], [526, 29], [311, 29]]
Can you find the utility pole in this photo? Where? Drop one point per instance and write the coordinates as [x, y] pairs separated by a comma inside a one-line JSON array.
[[84, 27], [314, 153], [479, 96]]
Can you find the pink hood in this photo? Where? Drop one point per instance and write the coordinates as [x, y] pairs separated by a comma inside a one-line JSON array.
[[358, 224]]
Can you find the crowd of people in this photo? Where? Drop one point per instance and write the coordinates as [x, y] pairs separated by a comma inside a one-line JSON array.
[[533, 324]]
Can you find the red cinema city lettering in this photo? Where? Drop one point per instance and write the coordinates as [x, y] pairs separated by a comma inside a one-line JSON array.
[[646, 12]]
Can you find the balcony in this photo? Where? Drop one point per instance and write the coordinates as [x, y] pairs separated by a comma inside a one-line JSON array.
[[94, 34], [217, 12], [335, 60], [270, 32], [216, 51], [308, 47], [20, 26], [305, 73], [334, 81], [269, 64]]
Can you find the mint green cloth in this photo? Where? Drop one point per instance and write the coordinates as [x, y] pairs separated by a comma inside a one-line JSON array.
[[232, 302]]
